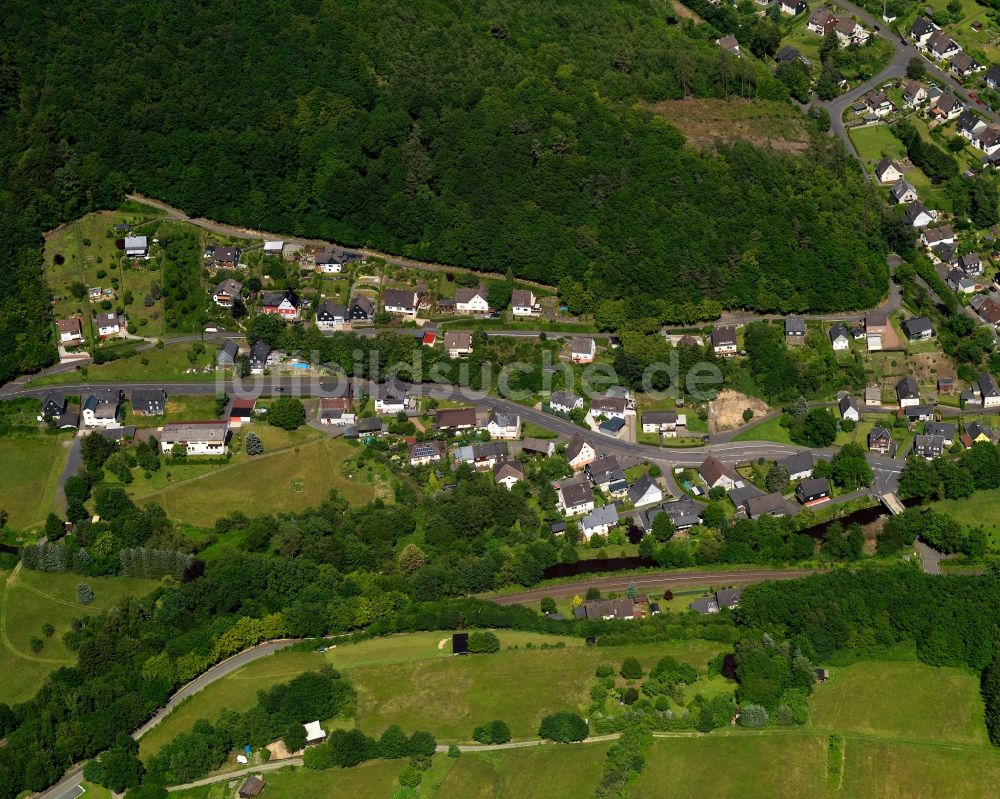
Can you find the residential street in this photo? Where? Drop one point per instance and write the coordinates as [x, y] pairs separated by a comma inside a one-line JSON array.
[[896, 68]]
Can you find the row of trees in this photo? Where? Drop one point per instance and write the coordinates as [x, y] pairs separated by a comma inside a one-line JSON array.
[[279, 712]]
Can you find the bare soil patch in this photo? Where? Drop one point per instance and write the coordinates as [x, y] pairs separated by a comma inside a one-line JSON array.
[[726, 410], [684, 12], [927, 367], [764, 123]]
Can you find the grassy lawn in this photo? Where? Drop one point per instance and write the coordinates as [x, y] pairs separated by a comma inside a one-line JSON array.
[[879, 698], [875, 141], [858, 435], [32, 599], [532, 430], [451, 697], [770, 430], [183, 408], [87, 248], [978, 510], [298, 478], [29, 475], [238, 691], [543, 773], [734, 766], [169, 363], [875, 769]]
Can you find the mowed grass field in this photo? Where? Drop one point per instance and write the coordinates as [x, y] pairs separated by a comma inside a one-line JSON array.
[[407, 680], [31, 599], [903, 700], [29, 475], [735, 767], [297, 478], [978, 510], [451, 698], [538, 773], [238, 691], [877, 770], [167, 363]]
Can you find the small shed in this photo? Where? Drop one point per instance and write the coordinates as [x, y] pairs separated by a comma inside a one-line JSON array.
[[591, 640], [822, 675], [252, 786], [314, 733], [460, 644]]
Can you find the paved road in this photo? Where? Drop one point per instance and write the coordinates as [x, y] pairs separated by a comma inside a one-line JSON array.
[[930, 558], [72, 466], [647, 582]]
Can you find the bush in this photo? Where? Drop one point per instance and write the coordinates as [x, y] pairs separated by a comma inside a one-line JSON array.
[[753, 716], [483, 642], [630, 696], [287, 413], [631, 669], [410, 777], [294, 737], [548, 605], [563, 727], [84, 594], [422, 743], [604, 670], [493, 732], [454, 751], [393, 744]]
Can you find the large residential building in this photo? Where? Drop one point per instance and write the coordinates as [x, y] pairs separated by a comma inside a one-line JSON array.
[[471, 301], [197, 438]]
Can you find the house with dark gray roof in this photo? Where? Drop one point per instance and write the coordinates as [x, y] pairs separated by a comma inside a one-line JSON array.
[[259, 354], [225, 358], [645, 491], [813, 491], [925, 446], [360, 308], [795, 328], [800, 465], [766, 505], [149, 401], [919, 328]]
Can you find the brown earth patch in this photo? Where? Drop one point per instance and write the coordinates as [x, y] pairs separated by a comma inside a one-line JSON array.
[[927, 367], [726, 410], [684, 12], [764, 123]]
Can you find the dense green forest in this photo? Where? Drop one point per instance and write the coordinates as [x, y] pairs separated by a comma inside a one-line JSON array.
[[484, 133]]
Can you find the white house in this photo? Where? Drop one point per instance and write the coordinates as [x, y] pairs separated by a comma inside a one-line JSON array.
[[903, 193], [724, 341], [197, 438], [100, 409], [400, 302], [888, 171], [458, 344], [942, 46], [645, 491], [988, 140], [508, 473], [850, 32], [273, 247], [109, 324], [70, 331], [989, 392], [504, 425], [799, 465], [281, 303], [714, 473], [599, 521], [917, 215], [840, 337], [922, 30], [226, 292], [471, 301], [582, 349], [850, 408], [907, 393], [575, 497], [564, 401], [390, 399], [136, 247], [663, 422], [579, 453], [523, 303]]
